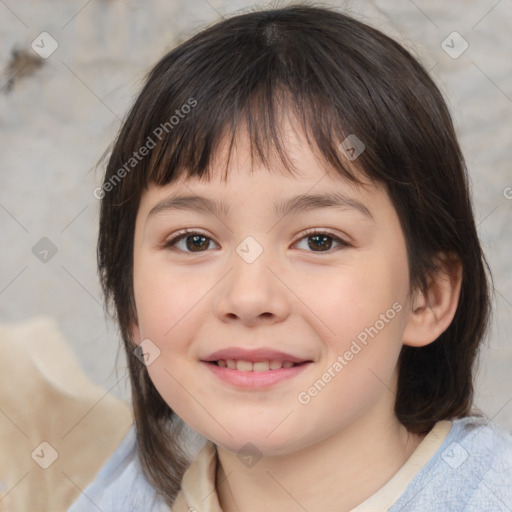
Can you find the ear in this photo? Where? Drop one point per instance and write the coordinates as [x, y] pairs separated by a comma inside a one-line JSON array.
[[432, 311]]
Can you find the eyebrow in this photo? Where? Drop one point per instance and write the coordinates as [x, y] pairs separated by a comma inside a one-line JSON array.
[[282, 208]]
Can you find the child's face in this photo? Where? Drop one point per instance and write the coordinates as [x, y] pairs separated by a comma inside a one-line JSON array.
[[342, 308]]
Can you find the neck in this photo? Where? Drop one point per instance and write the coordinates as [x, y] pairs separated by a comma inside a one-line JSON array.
[[339, 472]]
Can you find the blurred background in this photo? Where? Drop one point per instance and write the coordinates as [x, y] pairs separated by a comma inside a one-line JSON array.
[[69, 70]]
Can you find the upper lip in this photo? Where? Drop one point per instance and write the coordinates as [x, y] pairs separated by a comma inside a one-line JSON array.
[[254, 355]]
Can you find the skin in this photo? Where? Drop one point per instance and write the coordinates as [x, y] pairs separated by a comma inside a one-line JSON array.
[[337, 450]]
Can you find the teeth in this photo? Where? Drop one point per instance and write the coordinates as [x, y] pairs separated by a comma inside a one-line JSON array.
[[244, 366], [275, 364], [249, 366], [261, 366]]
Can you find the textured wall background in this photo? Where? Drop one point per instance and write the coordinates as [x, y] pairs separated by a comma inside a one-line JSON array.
[[59, 113]]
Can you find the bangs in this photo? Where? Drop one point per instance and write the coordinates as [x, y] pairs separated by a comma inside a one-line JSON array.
[[217, 119], [261, 120]]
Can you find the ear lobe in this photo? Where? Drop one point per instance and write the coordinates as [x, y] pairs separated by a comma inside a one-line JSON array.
[[432, 311]]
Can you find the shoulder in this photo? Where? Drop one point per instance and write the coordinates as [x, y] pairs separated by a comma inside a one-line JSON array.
[[120, 486], [487, 456], [470, 472]]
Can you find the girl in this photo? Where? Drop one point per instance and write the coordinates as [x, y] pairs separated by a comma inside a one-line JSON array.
[[287, 238]]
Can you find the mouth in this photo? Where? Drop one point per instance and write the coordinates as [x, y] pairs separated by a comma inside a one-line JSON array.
[[244, 365], [254, 369], [255, 375]]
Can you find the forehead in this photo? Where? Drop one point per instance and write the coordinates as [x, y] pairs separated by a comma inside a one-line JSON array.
[[267, 191]]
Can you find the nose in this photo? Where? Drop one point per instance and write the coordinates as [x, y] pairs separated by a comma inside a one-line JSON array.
[[251, 294]]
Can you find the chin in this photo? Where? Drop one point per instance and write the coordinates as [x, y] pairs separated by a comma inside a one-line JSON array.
[[257, 438]]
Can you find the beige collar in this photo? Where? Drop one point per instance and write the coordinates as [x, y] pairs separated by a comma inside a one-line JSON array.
[[387, 495], [198, 491]]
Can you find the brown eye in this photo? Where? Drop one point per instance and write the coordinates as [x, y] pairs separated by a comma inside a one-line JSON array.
[[319, 241], [197, 243], [186, 242]]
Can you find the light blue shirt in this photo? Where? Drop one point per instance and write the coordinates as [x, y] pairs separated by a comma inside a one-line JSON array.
[[470, 472]]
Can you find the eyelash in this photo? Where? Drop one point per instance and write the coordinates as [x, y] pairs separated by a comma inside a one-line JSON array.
[[170, 244]]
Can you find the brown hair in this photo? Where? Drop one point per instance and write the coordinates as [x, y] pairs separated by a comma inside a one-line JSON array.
[[338, 76]]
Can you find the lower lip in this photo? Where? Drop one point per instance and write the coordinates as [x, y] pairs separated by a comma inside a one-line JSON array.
[[255, 380]]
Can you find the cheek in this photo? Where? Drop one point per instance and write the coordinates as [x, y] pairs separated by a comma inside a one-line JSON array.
[[355, 298], [165, 298], [362, 310], [169, 307], [367, 319]]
